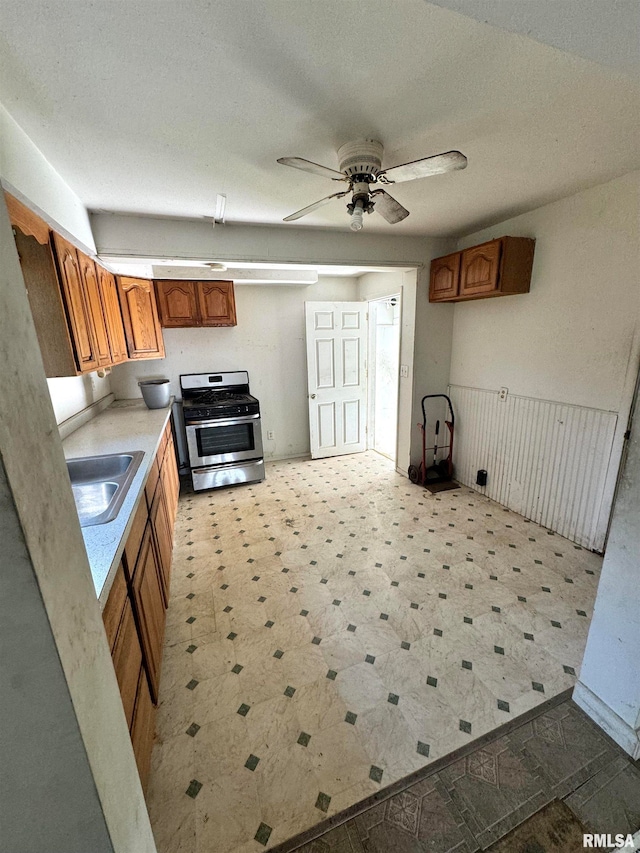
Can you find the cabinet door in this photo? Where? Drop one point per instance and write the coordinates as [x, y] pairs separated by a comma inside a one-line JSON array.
[[113, 315], [163, 533], [479, 269], [445, 278], [114, 608], [141, 324], [217, 303], [177, 303], [94, 303], [76, 304], [171, 483], [150, 610], [142, 729], [127, 660], [47, 304]]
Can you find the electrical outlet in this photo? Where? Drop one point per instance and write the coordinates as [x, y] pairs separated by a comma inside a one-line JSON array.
[[503, 394], [404, 371], [270, 435]]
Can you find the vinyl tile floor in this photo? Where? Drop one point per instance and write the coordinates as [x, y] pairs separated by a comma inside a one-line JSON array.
[[335, 628], [478, 797]]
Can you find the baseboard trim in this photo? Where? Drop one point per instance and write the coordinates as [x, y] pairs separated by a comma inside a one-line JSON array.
[[621, 732], [80, 418]]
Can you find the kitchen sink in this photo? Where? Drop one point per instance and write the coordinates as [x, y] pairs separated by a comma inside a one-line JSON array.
[[100, 484]]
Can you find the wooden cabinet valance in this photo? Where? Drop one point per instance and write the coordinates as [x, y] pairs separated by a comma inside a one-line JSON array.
[[185, 304], [497, 268]]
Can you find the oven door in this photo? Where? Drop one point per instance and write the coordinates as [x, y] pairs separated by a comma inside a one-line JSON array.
[[219, 442]]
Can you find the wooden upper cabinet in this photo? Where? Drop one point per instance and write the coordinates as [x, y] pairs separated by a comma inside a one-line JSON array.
[[186, 304], [112, 315], [76, 302], [96, 310], [73, 299], [445, 277], [496, 268], [140, 316], [217, 304], [177, 303], [479, 269]]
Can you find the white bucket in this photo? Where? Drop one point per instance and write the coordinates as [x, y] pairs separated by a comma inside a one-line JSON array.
[[155, 393]]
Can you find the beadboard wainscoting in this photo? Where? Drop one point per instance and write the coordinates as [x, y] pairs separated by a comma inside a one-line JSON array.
[[547, 461]]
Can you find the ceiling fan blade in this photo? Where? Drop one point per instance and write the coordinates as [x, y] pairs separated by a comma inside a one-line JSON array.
[[388, 207], [314, 168], [310, 208], [436, 165]]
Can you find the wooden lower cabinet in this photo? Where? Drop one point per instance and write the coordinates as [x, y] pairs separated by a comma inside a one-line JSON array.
[[126, 653], [134, 615]]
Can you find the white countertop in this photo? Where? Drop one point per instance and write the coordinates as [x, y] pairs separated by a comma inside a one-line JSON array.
[[126, 425]]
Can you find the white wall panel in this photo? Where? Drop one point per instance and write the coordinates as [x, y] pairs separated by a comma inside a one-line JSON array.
[[547, 461]]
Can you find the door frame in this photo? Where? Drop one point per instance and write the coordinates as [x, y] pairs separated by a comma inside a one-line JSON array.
[[371, 371]]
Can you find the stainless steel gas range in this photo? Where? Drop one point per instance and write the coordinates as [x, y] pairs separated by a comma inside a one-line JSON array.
[[224, 435]]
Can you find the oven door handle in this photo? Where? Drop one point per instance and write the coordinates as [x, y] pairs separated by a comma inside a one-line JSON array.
[[245, 419]]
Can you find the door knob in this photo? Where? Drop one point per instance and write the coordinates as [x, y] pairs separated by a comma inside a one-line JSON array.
[[313, 396]]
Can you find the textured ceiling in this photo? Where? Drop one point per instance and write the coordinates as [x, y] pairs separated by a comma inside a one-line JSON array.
[[155, 107]]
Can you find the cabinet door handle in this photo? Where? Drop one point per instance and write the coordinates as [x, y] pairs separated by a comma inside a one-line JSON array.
[[313, 396]]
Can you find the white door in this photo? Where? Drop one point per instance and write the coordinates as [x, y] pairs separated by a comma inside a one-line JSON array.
[[336, 368]]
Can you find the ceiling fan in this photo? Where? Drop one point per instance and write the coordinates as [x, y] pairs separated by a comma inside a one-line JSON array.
[[360, 165]]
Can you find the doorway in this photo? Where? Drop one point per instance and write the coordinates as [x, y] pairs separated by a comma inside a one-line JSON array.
[[384, 371]]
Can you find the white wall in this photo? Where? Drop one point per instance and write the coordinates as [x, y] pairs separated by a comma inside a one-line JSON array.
[[268, 342], [30, 177], [574, 339], [569, 339]]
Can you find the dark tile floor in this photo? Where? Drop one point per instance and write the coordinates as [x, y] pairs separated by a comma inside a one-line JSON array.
[[467, 801]]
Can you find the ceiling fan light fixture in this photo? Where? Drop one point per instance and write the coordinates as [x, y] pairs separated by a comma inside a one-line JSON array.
[[356, 223]]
